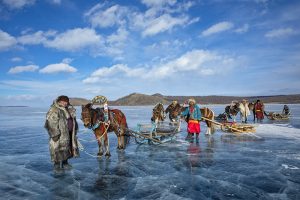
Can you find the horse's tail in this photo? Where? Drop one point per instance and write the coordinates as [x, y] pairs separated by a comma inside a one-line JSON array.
[[127, 131]]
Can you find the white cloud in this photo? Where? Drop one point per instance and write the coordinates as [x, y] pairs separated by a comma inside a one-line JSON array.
[[71, 40], [283, 32], [6, 41], [242, 29], [16, 59], [20, 69], [115, 70], [17, 4], [32, 39], [119, 37], [162, 24], [195, 61], [159, 17], [217, 28], [59, 67], [100, 17], [158, 3], [74, 39], [199, 62]]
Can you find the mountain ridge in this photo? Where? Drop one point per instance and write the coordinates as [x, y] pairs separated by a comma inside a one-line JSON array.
[[138, 99]]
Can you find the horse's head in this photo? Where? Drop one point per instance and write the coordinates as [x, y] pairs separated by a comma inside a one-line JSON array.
[[176, 111], [86, 115], [158, 113], [233, 108]]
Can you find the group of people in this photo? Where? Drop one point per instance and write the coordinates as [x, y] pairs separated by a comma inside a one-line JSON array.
[[62, 126], [258, 109]]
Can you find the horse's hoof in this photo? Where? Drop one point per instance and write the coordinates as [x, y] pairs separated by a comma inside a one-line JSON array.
[[107, 155], [99, 154]]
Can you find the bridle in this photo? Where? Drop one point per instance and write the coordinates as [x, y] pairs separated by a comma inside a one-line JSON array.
[[87, 115]]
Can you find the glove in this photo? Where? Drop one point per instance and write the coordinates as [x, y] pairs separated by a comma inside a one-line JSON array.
[[56, 138]]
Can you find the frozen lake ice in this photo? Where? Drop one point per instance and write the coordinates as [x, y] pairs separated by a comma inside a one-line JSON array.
[[218, 167]]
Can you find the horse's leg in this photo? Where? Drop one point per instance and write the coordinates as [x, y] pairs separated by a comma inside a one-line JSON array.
[[208, 130], [100, 150], [106, 144], [119, 141], [122, 139]]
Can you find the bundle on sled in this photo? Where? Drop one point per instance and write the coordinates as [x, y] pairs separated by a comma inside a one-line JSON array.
[[155, 133], [277, 116], [234, 127]]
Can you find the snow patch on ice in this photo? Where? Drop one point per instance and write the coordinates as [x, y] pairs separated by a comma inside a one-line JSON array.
[[281, 130], [289, 166]]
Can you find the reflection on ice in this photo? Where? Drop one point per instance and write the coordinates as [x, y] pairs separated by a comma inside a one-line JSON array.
[[221, 166]]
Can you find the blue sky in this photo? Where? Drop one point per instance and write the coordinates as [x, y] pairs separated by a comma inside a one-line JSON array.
[[203, 47]]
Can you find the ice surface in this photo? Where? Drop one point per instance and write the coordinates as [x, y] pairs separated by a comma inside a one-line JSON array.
[[221, 166]]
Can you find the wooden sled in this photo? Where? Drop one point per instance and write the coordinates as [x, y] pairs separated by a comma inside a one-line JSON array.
[[276, 116], [156, 133], [237, 128]]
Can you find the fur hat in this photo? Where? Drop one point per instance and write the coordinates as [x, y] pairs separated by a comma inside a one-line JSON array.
[[192, 101], [63, 98]]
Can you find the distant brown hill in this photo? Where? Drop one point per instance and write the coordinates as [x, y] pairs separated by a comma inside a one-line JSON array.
[[136, 99]]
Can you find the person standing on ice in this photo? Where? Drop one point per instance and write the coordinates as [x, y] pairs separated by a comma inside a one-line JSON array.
[[193, 114], [285, 110], [62, 128], [259, 110], [244, 111]]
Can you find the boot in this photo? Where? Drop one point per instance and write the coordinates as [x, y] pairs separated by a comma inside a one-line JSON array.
[[190, 136], [197, 137], [66, 165]]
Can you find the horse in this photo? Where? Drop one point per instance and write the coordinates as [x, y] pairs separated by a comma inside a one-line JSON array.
[[174, 111], [232, 110], [210, 116], [158, 113], [95, 120]]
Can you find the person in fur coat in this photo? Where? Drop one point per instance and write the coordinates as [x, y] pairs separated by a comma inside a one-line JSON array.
[[62, 128]]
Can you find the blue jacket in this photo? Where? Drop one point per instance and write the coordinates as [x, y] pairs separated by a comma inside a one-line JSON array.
[[195, 115]]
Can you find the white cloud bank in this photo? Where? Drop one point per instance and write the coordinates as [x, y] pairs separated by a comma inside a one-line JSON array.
[[57, 68], [20, 69], [199, 62], [217, 28], [160, 16]]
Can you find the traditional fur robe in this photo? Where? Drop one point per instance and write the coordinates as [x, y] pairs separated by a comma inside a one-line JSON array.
[[245, 112], [57, 125]]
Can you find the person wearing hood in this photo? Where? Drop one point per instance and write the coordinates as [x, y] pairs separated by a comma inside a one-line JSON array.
[[62, 128]]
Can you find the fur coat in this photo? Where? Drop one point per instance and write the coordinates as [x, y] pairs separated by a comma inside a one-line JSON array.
[[57, 125]]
